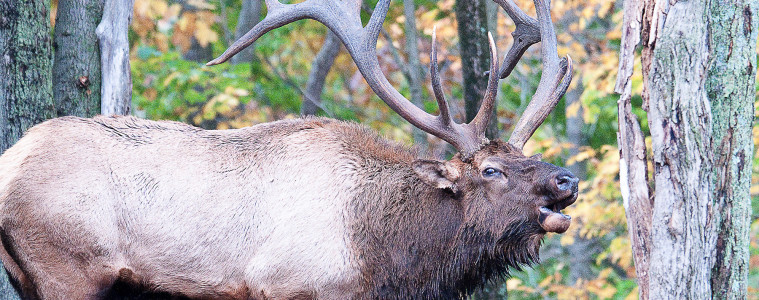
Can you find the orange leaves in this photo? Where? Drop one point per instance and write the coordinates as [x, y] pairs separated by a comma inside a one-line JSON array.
[[156, 23], [573, 109], [602, 76], [550, 287], [597, 215], [197, 25]]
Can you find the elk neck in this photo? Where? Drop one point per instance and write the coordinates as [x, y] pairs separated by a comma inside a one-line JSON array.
[[413, 239]]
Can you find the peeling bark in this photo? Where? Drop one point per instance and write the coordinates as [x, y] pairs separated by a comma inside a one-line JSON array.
[[633, 164], [683, 227], [698, 63], [116, 87]]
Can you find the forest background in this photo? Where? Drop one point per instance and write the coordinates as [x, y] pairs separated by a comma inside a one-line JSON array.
[[170, 42]]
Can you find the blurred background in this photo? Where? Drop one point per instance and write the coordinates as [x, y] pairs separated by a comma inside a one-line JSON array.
[[300, 70]]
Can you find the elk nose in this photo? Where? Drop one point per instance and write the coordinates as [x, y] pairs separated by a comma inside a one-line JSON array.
[[566, 181]]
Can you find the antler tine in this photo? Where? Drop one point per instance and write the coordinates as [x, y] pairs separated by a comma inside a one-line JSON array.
[[525, 35], [343, 18], [278, 15], [557, 74], [481, 120], [442, 103]]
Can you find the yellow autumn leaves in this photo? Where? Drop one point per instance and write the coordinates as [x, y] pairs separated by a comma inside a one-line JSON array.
[[158, 23]]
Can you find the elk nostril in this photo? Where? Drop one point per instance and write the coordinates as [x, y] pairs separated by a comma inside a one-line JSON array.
[[565, 182]]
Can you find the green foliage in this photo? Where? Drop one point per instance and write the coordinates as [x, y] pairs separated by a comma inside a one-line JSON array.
[[175, 89], [269, 88]]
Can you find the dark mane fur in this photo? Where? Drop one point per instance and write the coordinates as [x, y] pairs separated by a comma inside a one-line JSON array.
[[415, 242]]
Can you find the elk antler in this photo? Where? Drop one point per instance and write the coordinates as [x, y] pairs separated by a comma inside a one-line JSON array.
[[343, 18], [557, 73]]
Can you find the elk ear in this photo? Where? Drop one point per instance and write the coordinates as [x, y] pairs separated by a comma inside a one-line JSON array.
[[437, 174]]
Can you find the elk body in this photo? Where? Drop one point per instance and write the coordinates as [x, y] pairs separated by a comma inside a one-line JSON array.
[[313, 208]]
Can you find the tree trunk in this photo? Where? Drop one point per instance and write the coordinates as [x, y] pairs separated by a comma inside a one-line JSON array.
[[730, 88], [7, 291], [116, 87], [698, 69], [475, 57], [683, 227], [472, 18], [76, 69], [25, 79], [250, 15], [415, 71], [492, 9], [25, 68], [633, 162], [198, 53], [319, 70]]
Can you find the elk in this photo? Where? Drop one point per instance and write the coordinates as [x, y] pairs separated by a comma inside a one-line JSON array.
[[311, 208]]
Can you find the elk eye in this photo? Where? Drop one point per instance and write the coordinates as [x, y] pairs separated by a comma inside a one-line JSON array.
[[490, 172]]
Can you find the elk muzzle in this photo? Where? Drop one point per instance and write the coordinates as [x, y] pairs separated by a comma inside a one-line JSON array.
[[563, 185]]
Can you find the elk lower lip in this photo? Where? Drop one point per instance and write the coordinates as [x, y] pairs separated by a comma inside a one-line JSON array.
[[553, 221]]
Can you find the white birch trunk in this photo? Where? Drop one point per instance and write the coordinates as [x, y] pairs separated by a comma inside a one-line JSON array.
[[116, 87]]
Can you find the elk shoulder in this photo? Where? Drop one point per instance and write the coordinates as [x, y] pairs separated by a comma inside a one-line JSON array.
[[156, 198]]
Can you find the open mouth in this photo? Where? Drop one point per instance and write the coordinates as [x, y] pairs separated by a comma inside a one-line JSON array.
[[552, 220]]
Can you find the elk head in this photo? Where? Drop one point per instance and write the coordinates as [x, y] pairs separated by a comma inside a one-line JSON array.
[[490, 168]]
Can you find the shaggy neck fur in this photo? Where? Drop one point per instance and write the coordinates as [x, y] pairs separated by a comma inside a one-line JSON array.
[[421, 245]]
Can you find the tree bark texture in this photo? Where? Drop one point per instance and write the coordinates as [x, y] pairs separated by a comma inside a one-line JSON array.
[[116, 87], [319, 70], [25, 79], [472, 20], [7, 291], [250, 15], [25, 68], [683, 227], [415, 71], [731, 93], [699, 71], [76, 68], [633, 163]]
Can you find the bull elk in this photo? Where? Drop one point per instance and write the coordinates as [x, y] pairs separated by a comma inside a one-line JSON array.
[[312, 208]]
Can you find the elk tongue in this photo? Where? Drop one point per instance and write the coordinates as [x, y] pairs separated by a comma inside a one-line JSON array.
[[552, 221]]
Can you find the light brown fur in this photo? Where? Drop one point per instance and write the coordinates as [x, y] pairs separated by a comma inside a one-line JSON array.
[[307, 208]]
